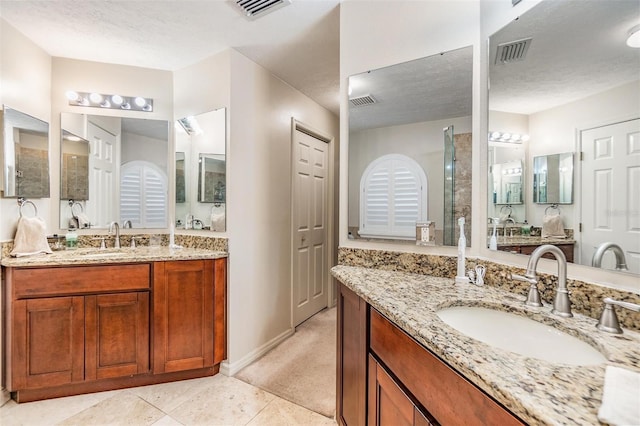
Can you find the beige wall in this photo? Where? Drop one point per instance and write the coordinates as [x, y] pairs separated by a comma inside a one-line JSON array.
[[259, 204]]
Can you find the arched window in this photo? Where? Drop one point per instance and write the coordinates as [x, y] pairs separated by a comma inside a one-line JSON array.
[[393, 197], [143, 195]]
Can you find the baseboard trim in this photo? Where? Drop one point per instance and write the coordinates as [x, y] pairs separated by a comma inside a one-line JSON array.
[[232, 368]]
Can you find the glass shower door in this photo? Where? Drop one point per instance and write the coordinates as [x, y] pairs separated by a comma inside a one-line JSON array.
[[449, 226]]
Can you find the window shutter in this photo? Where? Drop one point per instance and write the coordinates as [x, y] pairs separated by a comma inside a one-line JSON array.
[[143, 195], [394, 196]]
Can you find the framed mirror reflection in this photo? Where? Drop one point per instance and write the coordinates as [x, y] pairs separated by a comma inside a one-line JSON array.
[[410, 149], [25, 155], [201, 171], [113, 169], [563, 79]]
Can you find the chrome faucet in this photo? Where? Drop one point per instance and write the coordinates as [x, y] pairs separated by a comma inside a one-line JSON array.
[[112, 225], [608, 319], [621, 261], [504, 226], [127, 224], [561, 303]]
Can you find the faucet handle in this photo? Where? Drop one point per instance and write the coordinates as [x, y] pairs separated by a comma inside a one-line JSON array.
[[533, 297], [609, 320]]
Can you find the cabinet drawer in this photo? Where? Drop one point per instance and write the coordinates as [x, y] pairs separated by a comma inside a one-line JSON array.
[[448, 396], [51, 281]]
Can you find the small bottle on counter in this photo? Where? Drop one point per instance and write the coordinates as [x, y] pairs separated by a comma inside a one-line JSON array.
[[525, 229], [71, 239]]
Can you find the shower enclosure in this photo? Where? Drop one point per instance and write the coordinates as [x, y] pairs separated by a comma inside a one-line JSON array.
[[449, 226]]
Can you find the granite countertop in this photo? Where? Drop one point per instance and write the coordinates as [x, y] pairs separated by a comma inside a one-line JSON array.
[[537, 391], [521, 240], [87, 256]]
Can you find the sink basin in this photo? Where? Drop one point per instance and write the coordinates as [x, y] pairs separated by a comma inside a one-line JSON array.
[[521, 335]]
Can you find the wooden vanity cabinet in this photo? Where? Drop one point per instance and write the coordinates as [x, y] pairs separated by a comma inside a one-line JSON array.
[[352, 358], [406, 383], [567, 249], [79, 329], [190, 319]]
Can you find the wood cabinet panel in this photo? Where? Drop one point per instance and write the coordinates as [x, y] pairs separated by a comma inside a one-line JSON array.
[[352, 358], [448, 396], [388, 404], [47, 343], [184, 315], [77, 280], [567, 249], [117, 335]]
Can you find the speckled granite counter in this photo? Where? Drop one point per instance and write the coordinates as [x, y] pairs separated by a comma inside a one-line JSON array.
[[84, 256], [521, 240], [538, 392]]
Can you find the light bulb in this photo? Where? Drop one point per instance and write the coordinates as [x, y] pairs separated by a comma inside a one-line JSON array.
[[72, 95], [96, 98], [634, 37], [525, 138], [117, 99], [140, 101], [495, 135]]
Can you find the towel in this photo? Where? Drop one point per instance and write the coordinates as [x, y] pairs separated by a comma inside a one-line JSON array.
[[217, 222], [552, 226], [620, 397], [31, 237]]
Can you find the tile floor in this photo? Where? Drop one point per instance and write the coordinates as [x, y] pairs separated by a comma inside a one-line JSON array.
[[217, 400]]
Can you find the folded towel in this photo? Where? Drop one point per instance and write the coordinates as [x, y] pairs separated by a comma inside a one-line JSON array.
[[31, 237], [217, 221], [620, 397], [83, 220], [552, 226]]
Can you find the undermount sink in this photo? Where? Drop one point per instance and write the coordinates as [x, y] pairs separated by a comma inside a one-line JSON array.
[[521, 335]]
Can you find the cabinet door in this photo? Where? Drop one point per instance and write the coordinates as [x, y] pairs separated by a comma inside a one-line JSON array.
[[117, 335], [47, 338], [183, 315], [352, 358], [388, 404]]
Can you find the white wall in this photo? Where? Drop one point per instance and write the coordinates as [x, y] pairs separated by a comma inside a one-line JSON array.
[[259, 203], [375, 34], [424, 142]]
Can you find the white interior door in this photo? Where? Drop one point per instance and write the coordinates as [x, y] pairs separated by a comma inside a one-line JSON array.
[[310, 236], [101, 208], [611, 192]]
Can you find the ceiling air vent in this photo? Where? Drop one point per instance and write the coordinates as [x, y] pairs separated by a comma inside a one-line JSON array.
[[254, 9], [512, 51], [362, 100]]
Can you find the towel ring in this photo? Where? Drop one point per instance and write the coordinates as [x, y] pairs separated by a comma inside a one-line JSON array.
[[554, 207], [22, 202]]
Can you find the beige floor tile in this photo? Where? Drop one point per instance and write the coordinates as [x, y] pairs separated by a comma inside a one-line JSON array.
[[169, 396], [47, 412], [225, 401], [167, 421], [280, 412], [122, 409]]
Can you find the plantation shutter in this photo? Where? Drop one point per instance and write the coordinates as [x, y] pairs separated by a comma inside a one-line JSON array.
[[143, 195], [393, 193]]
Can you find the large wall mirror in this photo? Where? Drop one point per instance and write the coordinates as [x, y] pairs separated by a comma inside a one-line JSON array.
[[410, 148], [25, 155], [113, 169], [565, 83], [201, 171]]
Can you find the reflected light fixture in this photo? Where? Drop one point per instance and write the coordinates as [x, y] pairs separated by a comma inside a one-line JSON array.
[[507, 137], [99, 100], [633, 38]]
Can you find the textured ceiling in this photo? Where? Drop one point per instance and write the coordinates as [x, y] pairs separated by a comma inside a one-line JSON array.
[[298, 43], [578, 49]]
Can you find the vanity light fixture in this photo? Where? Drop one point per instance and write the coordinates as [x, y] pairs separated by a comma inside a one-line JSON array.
[[633, 39], [507, 137], [99, 100]]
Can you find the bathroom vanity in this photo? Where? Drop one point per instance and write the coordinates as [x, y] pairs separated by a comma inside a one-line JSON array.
[[398, 360], [86, 321], [526, 245]]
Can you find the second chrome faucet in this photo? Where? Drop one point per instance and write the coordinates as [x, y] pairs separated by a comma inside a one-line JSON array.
[[561, 302]]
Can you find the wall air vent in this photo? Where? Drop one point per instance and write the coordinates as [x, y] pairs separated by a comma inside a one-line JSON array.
[[254, 9], [362, 100], [512, 51]]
